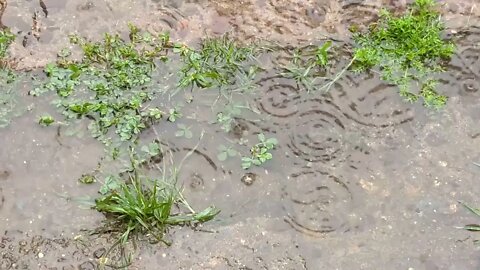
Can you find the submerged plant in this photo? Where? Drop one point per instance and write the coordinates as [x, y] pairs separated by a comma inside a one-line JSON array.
[[6, 38], [407, 48], [308, 65], [259, 153], [108, 85], [173, 114], [215, 64], [8, 97], [226, 117], [142, 206], [183, 131], [225, 152]]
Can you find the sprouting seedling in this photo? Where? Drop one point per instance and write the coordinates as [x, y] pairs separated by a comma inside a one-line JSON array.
[[87, 179], [246, 81], [307, 65], [227, 116], [300, 74], [110, 184], [259, 153], [151, 149], [46, 120], [184, 131], [321, 54], [153, 113], [174, 114], [225, 152]]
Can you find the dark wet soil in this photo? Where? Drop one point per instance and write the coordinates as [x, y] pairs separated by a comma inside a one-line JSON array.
[[360, 180]]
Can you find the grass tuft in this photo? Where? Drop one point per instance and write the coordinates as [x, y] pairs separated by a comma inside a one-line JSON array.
[[142, 206], [217, 63], [406, 48], [8, 97]]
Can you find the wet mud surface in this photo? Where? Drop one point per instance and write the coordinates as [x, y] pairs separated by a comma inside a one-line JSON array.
[[360, 180]]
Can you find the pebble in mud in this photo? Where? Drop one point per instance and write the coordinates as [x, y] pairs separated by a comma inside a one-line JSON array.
[[99, 253], [239, 129], [249, 178]]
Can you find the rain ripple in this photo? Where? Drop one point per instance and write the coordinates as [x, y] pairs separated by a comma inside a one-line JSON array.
[[316, 136], [317, 202], [368, 101]]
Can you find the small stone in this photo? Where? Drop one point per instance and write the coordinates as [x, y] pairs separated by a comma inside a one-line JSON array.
[[41, 255], [99, 253], [249, 178]]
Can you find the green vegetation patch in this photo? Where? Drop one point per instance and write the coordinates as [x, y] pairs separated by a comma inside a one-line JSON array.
[[6, 38], [137, 205], [146, 206], [406, 48], [108, 85], [260, 152], [308, 64], [8, 95], [217, 63]]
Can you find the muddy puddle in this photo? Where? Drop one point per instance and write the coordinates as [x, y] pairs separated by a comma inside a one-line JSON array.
[[360, 178]]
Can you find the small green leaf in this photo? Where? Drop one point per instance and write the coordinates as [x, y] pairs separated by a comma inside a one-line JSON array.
[[231, 152], [272, 141], [246, 165], [188, 134], [472, 227], [475, 211], [179, 133], [207, 214], [222, 156], [110, 184], [46, 120], [87, 179]]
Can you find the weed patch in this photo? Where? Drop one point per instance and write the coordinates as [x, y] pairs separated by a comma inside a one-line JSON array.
[[8, 97], [260, 152], [108, 85], [146, 206], [308, 65], [407, 48], [217, 63], [141, 206]]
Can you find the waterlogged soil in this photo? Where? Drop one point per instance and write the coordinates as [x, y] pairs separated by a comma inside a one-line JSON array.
[[359, 180]]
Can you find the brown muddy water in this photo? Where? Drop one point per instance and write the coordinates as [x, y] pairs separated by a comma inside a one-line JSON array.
[[360, 180]]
